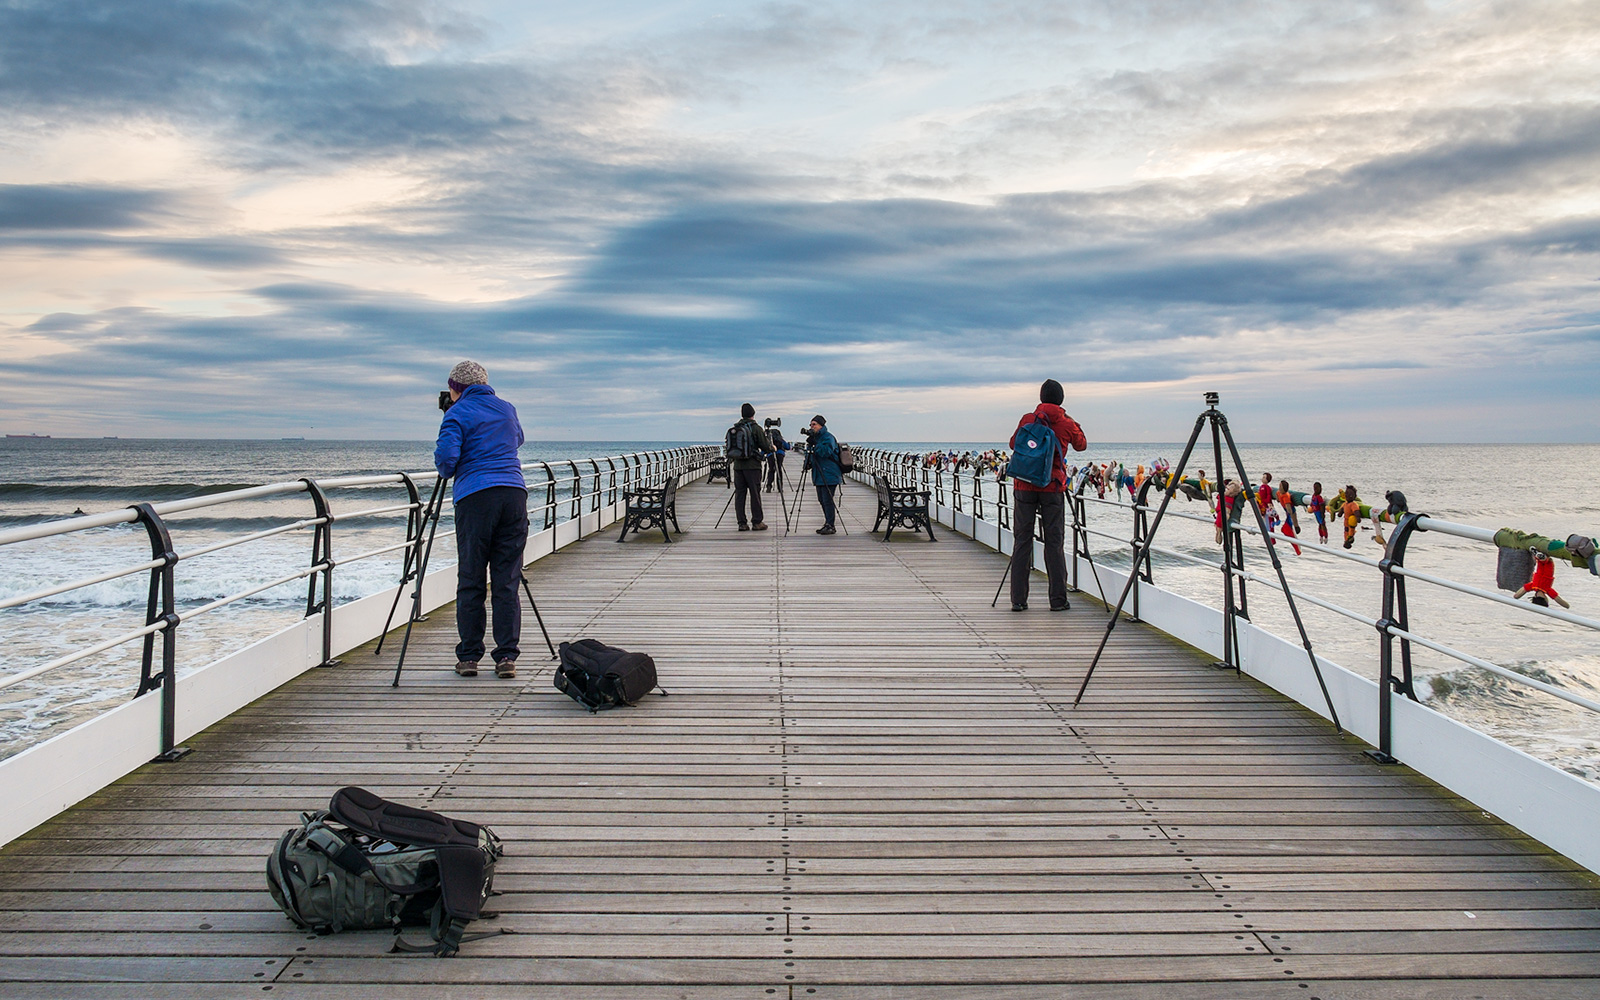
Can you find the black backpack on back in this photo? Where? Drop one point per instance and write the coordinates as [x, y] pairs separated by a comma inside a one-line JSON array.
[[598, 676], [739, 442]]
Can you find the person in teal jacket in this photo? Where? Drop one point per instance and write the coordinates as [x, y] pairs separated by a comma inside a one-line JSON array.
[[822, 458]]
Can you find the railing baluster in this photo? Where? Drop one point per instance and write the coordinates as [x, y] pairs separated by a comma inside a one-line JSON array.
[[322, 554], [161, 608]]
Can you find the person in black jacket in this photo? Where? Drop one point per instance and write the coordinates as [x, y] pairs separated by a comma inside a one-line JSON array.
[[780, 449], [745, 466]]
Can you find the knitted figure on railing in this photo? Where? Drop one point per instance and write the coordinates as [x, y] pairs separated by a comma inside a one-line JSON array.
[[1229, 506], [1393, 513], [1542, 585], [1350, 510], [1319, 510], [1291, 523]]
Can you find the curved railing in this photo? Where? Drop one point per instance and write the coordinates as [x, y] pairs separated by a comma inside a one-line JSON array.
[[559, 493], [976, 496]]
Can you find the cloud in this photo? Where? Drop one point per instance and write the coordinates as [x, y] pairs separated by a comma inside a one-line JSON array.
[[74, 206], [1141, 194]]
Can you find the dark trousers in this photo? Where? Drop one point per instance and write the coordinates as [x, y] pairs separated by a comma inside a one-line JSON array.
[[747, 481], [1051, 509], [491, 532], [774, 471], [825, 497]]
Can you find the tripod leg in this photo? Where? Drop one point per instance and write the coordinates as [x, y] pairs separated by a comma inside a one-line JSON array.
[[725, 507], [1277, 565], [436, 502], [794, 515], [838, 493], [399, 592], [412, 558], [1006, 575], [540, 619], [1080, 529], [1133, 569], [1003, 577]]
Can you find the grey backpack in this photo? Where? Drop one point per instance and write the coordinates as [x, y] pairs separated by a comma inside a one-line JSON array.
[[366, 863]]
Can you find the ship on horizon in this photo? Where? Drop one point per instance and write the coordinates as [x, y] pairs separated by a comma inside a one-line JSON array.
[[26, 437]]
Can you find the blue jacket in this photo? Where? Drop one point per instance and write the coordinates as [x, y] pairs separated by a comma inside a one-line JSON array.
[[824, 458], [478, 442]]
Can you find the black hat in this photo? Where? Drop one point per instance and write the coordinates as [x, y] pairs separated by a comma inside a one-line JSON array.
[[747, 411], [1051, 392], [820, 419]]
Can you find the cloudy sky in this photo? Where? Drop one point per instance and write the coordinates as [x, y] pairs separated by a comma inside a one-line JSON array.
[[1358, 221]]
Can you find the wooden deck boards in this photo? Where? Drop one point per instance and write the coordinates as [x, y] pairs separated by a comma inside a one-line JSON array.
[[865, 783]]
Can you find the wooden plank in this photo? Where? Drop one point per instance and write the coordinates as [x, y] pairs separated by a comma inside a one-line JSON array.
[[865, 783]]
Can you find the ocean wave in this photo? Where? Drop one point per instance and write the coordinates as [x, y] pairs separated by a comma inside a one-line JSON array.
[[1475, 687], [153, 492]]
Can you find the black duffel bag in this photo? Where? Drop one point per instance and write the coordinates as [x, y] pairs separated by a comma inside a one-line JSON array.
[[598, 676]]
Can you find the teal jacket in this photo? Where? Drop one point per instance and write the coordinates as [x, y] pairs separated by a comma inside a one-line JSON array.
[[823, 457]]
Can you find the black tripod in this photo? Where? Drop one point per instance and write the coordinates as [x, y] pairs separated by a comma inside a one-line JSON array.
[[415, 567], [1219, 433], [735, 492], [793, 517], [1080, 537]]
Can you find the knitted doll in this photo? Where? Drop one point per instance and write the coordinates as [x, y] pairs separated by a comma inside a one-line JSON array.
[[1543, 583]]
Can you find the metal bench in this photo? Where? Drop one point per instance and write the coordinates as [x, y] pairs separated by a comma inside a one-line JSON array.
[[901, 506], [651, 509]]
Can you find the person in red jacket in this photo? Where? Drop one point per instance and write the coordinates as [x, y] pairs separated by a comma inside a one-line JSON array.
[[1047, 504]]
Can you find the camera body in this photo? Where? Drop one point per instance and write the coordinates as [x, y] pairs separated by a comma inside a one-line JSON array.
[[772, 422], [445, 402]]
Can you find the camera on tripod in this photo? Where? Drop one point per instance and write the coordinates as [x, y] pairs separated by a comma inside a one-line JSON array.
[[772, 422]]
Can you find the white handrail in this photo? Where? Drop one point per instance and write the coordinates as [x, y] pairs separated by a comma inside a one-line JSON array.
[[655, 462], [1423, 523]]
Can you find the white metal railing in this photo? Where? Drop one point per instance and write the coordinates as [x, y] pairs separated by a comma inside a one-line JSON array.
[[974, 494], [557, 492]]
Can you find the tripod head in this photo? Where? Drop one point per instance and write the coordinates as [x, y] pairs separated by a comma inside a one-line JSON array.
[[1212, 399]]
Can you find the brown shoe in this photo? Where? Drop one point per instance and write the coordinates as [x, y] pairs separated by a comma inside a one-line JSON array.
[[759, 526], [505, 669], [466, 668]]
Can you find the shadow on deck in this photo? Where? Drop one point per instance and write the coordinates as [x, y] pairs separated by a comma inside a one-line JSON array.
[[866, 783]]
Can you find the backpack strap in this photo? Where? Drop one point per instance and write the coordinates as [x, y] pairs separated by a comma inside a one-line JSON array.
[[364, 812]]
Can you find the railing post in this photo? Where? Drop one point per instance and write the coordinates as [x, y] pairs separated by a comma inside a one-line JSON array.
[[160, 609], [595, 507], [611, 481], [1079, 515], [1394, 615], [322, 554], [549, 497]]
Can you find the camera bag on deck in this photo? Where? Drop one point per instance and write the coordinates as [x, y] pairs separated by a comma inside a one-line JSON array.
[[598, 676], [368, 863]]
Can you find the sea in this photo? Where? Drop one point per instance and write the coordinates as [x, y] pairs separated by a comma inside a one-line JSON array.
[[1546, 489]]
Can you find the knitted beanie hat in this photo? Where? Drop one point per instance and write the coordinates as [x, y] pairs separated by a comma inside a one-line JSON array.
[[747, 411], [467, 373], [819, 419], [1051, 392]]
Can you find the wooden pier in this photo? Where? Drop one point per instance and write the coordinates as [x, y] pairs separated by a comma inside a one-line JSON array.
[[866, 783]]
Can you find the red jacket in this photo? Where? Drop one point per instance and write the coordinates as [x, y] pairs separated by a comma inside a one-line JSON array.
[[1068, 433]]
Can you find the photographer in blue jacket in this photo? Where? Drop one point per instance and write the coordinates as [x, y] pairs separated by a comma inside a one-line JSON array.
[[822, 461], [478, 442]]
